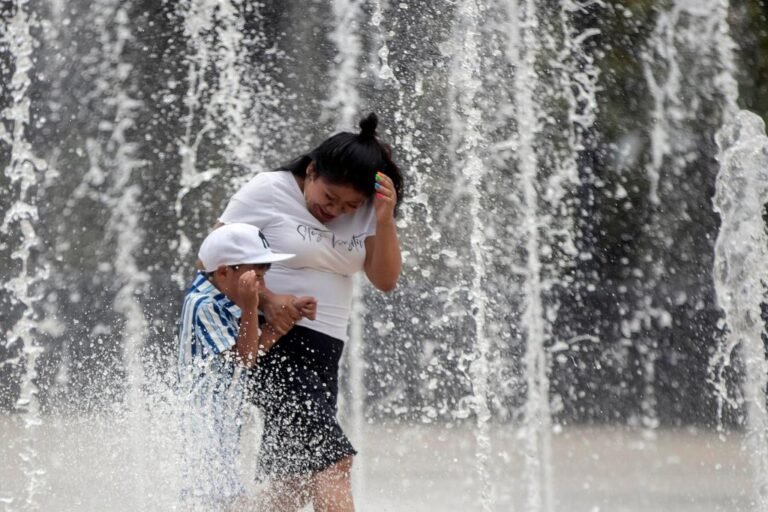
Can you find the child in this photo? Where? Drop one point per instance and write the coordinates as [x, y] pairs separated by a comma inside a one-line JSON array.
[[219, 339]]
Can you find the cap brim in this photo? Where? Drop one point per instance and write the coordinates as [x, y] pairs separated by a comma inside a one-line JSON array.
[[270, 258]]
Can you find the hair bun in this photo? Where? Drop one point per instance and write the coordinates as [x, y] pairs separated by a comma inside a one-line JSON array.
[[368, 126]]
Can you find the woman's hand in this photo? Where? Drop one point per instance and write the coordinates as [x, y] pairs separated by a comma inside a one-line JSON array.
[[283, 311], [382, 251], [385, 199], [307, 306]]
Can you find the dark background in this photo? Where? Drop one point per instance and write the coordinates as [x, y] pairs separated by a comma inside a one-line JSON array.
[[635, 303]]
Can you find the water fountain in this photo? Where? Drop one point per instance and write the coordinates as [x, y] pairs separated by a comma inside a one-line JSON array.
[[23, 174], [740, 199], [533, 302], [467, 65]]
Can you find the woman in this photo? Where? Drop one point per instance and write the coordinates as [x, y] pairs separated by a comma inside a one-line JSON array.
[[334, 209]]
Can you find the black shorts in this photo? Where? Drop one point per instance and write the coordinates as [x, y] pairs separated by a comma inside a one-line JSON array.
[[296, 385]]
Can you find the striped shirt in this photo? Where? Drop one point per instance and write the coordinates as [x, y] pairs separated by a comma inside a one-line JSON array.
[[212, 386], [209, 323]]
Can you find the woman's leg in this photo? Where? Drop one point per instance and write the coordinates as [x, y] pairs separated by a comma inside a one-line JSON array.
[[332, 488], [284, 495]]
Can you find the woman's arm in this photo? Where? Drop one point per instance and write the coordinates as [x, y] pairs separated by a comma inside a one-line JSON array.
[[282, 311], [383, 260], [307, 306]]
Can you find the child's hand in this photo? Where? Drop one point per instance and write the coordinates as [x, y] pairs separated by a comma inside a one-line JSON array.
[[307, 306], [248, 289]]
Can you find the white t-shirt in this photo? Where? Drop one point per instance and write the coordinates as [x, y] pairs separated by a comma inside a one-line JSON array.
[[327, 255]]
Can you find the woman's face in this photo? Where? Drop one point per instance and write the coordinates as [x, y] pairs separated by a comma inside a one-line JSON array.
[[326, 201]]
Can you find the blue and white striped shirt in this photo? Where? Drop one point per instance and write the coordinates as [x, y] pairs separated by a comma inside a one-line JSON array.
[[212, 386], [209, 322]]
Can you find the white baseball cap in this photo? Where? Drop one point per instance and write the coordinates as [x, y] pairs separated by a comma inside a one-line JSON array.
[[237, 244]]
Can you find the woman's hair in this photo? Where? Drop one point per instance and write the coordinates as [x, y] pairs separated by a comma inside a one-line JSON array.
[[352, 159]]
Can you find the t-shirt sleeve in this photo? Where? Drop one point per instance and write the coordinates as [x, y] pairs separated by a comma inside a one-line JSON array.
[[213, 328], [252, 204]]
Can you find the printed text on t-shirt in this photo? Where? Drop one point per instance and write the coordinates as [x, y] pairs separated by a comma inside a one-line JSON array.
[[315, 235]]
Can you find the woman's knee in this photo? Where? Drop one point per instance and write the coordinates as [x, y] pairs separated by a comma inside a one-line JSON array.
[[344, 465], [337, 471], [332, 488]]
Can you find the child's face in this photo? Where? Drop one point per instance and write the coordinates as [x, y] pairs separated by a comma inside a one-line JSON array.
[[230, 278], [258, 268]]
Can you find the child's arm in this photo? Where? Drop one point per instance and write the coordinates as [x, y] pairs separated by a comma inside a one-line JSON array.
[[252, 342], [248, 337], [269, 336]]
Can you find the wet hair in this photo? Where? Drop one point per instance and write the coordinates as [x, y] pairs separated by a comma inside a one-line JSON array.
[[352, 159]]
